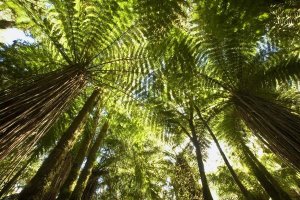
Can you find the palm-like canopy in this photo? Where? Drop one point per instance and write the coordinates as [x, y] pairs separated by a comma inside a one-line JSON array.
[[187, 66], [250, 81], [90, 42], [243, 70]]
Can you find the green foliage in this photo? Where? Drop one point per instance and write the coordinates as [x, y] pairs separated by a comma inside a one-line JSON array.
[[154, 61], [228, 190]]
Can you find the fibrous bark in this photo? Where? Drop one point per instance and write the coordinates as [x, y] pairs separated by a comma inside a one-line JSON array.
[[68, 186], [274, 124], [87, 170], [263, 176], [40, 183], [28, 110]]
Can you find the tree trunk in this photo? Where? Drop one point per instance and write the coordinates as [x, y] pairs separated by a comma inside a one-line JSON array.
[[86, 172], [28, 111], [265, 183], [40, 183], [68, 186], [92, 184], [59, 178], [205, 187], [281, 194], [243, 189], [275, 125]]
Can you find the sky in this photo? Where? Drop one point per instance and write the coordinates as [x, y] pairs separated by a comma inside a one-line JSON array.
[[211, 164], [8, 35]]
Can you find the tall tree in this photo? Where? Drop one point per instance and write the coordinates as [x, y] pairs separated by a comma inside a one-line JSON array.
[[39, 184], [83, 42], [184, 120], [223, 59], [243, 189], [194, 138], [85, 145], [238, 62], [265, 178], [92, 183], [87, 169], [262, 175]]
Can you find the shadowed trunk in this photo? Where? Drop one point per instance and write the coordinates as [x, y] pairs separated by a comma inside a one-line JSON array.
[[206, 191], [41, 182], [92, 183], [68, 186], [275, 125], [59, 178], [28, 111], [283, 194], [268, 186], [243, 189], [271, 191], [257, 166], [87, 170], [205, 187]]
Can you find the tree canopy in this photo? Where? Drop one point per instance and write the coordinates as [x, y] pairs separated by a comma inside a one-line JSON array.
[[114, 99]]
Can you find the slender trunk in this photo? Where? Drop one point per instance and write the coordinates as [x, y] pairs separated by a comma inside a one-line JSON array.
[[59, 178], [205, 187], [14, 179], [265, 183], [283, 194], [68, 186], [275, 125], [280, 192], [270, 190], [243, 189], [86, 172], [92, 184], [40, 183], [28, 111]]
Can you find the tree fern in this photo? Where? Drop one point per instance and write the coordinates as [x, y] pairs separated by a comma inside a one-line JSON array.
[[93, 42]]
